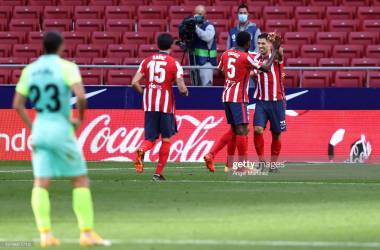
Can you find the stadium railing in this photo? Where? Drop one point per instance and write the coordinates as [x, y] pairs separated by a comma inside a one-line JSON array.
[[209, 67]]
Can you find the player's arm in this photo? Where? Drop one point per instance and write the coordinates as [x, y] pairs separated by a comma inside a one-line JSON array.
[[81, 104], [280, 55], [20, 97], [276, 46], [219, 71], [136, 83], [182, 87]]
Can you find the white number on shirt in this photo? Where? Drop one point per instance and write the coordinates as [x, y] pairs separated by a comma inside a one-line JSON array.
[[232, 67], [155, 68]]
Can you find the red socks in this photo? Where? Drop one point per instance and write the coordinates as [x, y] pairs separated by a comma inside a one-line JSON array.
[[259, 145], [227, 137], [163, 156], [241, 144], [231, 147], [146, 145], [275, 150]]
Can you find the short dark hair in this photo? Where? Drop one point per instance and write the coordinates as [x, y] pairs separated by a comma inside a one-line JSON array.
[[263, 36], [242, 7], [242, 38], [52, 40], [165, 41]]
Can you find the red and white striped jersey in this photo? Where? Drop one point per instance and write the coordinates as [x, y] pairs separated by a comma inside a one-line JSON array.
[[160, 70], [238, 64], [269, 86]]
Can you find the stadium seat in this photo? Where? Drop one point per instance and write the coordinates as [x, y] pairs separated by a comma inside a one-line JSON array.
[[27, 12], [132, 61], [12, 37], [276, 12], [223, 36], [371, 25], [365, 62], [5, 12], [26, 50], [301, 62], [57, 24], [374, 79], [294, 3], [312, 25], [173, 25], [331, 38], [217, 12], [123, 25], [364, 38], [299, 38], [89, 25], [134, 3], [174, 34], [147, 50], [369, 13], [349, 79], [122, 77], [76, 37], [347, 51], [291, 78], [341, 13], [15, 76], [220, 49], [152, 25], [180, 12], [333, 62], [324, 2], [90, 50], [13, 60], [106, 61], [221, 25], [103, 2], [79, 60], [58, 12], [227, 2], [108, 37], [186, 77], [355, 2], [88, 12], [343, 25], [373, 51], [168, 3], [13, 2], [137, 38], [315, 51], [91, 77], [35, 37], [282, 26], [42, 2], [217, 81], [318, 79], [119, 12], [4, 77], [151, 12], [69, 50], [24, 25], [4, 50], [3, 25], [196, 2], [311, 13], [124, 50], [73, 2], [259, 2], [32, 59], [290, 50]]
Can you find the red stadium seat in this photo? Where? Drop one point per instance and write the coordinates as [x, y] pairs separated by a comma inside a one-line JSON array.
[[57, 24], [90, 50], [371, 25], [106, 61], [227, 2], [151, 12], [124, 50], [294, 3], [282, 26], [373, 51], [290, 50], [315, 51], [4, 50], [119, 12], [24, 25], [218, 81], [312, 25], [349, 79], [331, 38], [88, 12], [35, 37], [223, 36], [355, 2], [173, 25], [73, 2], [32, 59], [333, 62], [42, 2], [165, 3], [364, 38], [220, 49], [123, 25], [186, 77], [291, 78], [15, 76], [319, 79], [76, 37], [180, 12], [196, 2], [69, 50], [152, 25], [91, 77], [89, 25], [5, 12], [299, 38], [221, 25], [311, 13], [324, 2], [348, 51], [343, 25], [26, 50], [374, 79], [12, 37], [122, 77], [177, 53], [13, 2], [3, 25], [58, 12], [27, 12], [132, 61], [217, 12], [134, 3], [276, 12], [174, 34], [4, 77], [341, 12], [137, 37], [369, 13], [376, 3], [103, 2], [301, 62], [365, 62], [260, 2], [79, 60], [108, 37], [13, 60], [147, 50]]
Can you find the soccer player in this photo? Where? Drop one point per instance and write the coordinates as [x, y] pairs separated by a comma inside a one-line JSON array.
[[49, 83], [159, 70], [235, 95], [270, 105]]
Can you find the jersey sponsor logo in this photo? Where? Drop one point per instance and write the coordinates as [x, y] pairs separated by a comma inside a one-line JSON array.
[[154, 86]]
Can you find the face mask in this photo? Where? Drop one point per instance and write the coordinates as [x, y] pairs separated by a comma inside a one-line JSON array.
[[243, 18]]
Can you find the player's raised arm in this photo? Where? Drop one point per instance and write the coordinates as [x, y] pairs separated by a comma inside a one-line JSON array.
[[20, 98], [276, 46]]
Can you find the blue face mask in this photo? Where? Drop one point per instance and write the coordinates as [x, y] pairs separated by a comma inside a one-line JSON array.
[[243, 18]]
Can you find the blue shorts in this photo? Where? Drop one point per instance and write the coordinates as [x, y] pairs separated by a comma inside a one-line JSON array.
[[236, 113], [274, 111], [157, 123]]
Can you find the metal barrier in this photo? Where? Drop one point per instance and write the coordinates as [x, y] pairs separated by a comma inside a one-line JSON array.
[[210, 67]]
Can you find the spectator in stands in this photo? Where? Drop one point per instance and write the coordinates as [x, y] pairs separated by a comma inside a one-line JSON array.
[[244, 25]]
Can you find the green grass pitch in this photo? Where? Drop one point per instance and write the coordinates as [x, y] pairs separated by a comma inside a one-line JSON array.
[[197, 209]]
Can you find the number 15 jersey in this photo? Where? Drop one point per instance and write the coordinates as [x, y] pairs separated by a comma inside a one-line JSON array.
[[237, 65]]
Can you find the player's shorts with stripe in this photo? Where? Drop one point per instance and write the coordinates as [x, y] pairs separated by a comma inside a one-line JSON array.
[[274, 111], [157, 123], [56, 152], [236, 113]]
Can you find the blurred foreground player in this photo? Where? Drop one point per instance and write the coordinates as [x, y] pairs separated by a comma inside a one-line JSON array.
[[159, 70], [238, 64], [49, 83]]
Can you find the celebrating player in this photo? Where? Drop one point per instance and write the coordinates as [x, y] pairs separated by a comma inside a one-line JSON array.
[[47, 83], [235, 94], [270, 105], [160, 70]]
